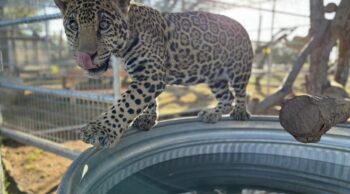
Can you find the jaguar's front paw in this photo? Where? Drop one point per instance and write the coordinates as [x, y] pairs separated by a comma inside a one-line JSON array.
[[209, 116], [145, 121], [99, 136], [88, 134]]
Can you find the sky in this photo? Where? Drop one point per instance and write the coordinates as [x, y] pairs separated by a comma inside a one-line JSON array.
[[249, 18]]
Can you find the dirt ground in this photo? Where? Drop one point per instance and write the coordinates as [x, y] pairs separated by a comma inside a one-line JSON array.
[[33, 171]]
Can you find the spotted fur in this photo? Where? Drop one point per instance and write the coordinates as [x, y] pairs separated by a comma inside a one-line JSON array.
[[159, 49]]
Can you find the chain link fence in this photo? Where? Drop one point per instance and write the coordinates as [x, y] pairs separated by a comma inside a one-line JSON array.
[[45, 94]]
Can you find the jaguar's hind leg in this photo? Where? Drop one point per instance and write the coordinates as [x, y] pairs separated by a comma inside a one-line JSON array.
[[240, 112], [225, 99]]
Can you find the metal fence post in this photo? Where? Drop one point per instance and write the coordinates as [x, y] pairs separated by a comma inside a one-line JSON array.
[[2, 176], [1, 63], [116, 62]]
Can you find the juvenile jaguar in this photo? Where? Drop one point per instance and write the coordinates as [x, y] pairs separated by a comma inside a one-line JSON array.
[[158, 49]]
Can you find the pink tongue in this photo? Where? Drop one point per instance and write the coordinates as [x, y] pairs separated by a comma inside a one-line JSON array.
[[84, 60]]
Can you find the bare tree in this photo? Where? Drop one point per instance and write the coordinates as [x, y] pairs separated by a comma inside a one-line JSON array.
[[319, 48], [286, 87], [341, 28], [319, 57]]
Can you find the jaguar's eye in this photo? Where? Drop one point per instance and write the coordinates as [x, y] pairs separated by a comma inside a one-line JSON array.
[[104, 25], [73, 25]]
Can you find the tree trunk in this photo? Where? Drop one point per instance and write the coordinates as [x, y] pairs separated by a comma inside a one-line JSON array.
[[342, 71], [317, 78], [341, 28], [307, 118]]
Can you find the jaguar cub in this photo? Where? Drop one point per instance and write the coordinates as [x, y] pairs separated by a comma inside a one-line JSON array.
[[158, 49]]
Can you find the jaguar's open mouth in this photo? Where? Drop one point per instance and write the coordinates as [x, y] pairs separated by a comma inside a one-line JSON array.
[[102, 68], [89, 63]]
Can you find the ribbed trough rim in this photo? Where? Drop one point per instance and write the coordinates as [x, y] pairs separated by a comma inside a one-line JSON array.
[[184, 137]]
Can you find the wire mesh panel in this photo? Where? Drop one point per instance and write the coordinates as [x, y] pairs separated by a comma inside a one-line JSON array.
[[36, 54], [49, 115]]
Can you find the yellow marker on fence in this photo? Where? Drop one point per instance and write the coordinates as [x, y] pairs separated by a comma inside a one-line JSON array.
[[54, 69], [267, 50]]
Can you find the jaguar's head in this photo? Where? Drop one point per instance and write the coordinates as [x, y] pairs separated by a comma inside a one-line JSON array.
[[95, 30]]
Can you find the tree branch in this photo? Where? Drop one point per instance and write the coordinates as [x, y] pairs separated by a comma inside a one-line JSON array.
[[297, 66]]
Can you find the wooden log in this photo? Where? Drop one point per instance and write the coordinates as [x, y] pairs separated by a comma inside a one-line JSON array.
[[307, 118]]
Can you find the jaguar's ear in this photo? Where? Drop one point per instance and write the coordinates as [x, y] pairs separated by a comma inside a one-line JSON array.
[[123, 5], [62, 4]]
